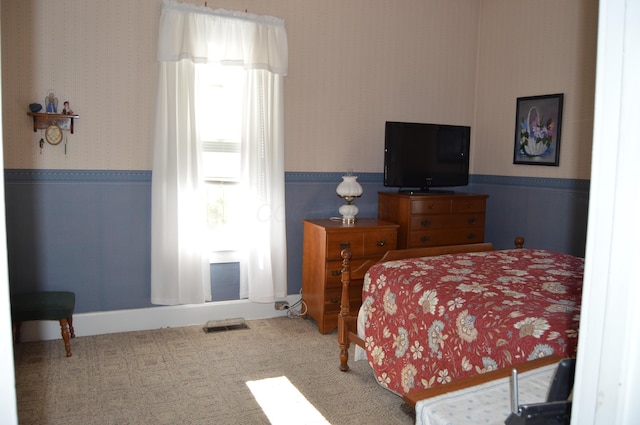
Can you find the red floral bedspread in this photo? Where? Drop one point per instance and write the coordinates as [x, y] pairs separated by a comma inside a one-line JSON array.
[[428, 321]]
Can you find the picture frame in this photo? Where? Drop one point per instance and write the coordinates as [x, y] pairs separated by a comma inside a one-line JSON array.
[[538, 130]]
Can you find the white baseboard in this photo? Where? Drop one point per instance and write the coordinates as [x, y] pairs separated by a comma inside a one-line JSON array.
[[106, 322]]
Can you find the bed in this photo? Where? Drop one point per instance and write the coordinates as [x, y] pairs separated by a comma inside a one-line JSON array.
[[433, 316]]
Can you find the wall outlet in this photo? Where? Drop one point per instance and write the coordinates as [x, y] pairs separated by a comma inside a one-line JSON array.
[[282, 305]]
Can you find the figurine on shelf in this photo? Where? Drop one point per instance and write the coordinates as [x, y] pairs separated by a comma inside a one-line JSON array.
[[52, 103], [66, 110]]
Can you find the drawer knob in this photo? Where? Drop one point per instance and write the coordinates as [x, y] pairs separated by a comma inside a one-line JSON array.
[[381, 243], [425, 223], [345, 245], [424, 239], [336, 272], [469, 205], [334, 300], [472, 220], [471, 236]]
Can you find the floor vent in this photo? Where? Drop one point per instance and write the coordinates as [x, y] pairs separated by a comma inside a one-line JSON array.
[[225, 325]]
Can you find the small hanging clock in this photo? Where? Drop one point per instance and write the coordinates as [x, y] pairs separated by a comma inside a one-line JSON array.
[[53, 134]]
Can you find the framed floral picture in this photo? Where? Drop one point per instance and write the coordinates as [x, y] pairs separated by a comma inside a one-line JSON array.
[[538, 125]]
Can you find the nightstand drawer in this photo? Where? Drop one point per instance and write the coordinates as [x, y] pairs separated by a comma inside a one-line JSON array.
[[362, 244], [336, 242], [359, 267], [379, 242], [333, 296]]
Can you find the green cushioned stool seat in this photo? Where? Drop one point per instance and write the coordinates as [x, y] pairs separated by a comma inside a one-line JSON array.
[[44, 305]]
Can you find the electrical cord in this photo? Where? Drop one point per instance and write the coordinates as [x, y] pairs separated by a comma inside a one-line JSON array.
[[297, 309]]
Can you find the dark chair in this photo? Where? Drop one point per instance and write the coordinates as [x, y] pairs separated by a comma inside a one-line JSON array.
[[45, 305]]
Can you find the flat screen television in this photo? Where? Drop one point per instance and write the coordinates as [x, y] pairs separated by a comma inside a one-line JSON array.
[[419, 157]]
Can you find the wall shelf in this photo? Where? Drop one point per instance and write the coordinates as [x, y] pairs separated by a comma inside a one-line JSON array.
[[43, 120]]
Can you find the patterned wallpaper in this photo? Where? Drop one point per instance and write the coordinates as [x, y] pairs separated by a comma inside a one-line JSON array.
[[531, 49], [353, 65], [99, 56]]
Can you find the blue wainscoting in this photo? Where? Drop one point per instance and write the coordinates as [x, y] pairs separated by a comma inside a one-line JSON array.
[[550, 213], [89, 231], [84, 231]]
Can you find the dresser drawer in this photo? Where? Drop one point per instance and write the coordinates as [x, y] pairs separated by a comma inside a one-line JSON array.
[[468, 205], [427, 205], [425, 221], [438, 219], [438, 237]]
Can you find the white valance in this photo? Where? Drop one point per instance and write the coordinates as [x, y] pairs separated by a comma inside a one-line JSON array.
[[195, 33]]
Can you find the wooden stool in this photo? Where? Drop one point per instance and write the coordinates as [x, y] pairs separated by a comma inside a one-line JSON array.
[[47, 305]]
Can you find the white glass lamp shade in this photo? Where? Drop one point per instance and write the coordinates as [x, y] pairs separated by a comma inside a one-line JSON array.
[[349, 189]]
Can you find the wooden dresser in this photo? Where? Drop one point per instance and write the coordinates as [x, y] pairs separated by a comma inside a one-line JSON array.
[[369, 239], [434, 219]]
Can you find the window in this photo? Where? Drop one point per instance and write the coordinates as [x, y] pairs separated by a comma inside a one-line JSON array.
[[188, 38], [218, 122]]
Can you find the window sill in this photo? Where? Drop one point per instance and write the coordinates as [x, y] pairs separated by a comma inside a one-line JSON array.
[[224, 257]]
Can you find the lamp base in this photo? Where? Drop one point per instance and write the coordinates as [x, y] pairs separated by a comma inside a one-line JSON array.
[[348, 212]]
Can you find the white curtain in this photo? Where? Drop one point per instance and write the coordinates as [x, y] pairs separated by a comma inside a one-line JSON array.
[[179, 262]]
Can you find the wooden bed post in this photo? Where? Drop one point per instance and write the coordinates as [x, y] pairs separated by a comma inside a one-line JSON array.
[[343, 317]]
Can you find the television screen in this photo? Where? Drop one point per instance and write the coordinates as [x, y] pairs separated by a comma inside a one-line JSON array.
[[418, 157]]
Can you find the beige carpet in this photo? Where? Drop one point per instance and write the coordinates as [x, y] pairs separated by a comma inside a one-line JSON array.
[[187, 376]]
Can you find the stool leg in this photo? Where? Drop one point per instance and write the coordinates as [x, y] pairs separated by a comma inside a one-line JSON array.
[[65, 336], [71, 331]]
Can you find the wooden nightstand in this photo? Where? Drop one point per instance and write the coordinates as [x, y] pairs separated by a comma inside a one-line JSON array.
[[369, 239]]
